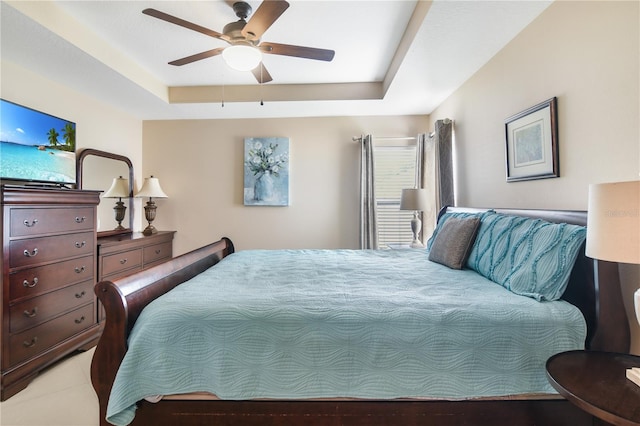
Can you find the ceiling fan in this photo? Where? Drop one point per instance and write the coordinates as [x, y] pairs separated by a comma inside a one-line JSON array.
[[244, 38]]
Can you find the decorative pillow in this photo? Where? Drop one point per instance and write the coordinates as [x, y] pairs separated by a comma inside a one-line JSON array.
[[530, 257], [443, 220], [452, 245]]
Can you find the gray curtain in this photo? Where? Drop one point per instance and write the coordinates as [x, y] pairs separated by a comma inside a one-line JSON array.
[[436, 152], [368, 215]]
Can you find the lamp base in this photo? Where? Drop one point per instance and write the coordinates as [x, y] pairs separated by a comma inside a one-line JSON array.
[[150, 230], [150, 215], [636, 302], [120, 210], [416, 226]]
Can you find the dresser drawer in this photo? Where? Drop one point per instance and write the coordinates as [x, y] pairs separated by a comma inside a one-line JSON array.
[[122, 261], [33, 251], [34, 281], [35, 340], [38, 221], [32, 312], [157, 252]]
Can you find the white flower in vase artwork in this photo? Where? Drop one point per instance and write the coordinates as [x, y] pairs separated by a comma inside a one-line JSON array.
[[266, 171]]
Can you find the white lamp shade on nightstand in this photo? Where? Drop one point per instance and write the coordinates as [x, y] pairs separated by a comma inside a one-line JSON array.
[[414, 199], [613, 222]]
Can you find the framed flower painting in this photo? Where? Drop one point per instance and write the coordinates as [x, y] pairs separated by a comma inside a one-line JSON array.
[[266, 171]]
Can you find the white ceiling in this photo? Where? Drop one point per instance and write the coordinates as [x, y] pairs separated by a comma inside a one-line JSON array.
[[410, 55]]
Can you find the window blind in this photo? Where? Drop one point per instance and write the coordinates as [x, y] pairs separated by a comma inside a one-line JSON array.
[[395, 169]]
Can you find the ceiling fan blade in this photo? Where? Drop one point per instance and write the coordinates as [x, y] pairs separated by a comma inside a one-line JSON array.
[[186, 24], [297, 51], [261, 74], [264, 17], [197, 57]]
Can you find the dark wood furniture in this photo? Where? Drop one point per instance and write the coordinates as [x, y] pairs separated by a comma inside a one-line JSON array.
[[125, 254], [83, 155], [125, 298], [48, 274], [596, 382]]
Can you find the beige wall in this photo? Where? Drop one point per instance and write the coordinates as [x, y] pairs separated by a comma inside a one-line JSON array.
[[98, 125], [587, 55], [200, 166]]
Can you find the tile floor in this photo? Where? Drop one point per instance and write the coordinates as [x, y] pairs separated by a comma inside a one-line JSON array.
[[61, 395]]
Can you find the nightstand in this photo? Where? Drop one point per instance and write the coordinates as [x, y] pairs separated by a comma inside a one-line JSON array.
[[403, 247], [596, 383]]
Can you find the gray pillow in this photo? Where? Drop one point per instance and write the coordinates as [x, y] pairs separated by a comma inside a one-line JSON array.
[[453, 243]]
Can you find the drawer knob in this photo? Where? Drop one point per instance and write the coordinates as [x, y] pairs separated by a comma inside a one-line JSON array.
[[31, 284], [32, 253], [30, 344], [158, 251], [30, 224], [80, 219], [31, 314], [80, 245], [79, 270], [123, 261], [80, 295], [79, 320]]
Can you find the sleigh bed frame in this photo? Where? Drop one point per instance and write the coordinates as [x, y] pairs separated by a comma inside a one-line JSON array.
[[594, 288]]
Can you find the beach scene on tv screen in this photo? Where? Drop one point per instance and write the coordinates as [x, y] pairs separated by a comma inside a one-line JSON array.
[[36, 146]]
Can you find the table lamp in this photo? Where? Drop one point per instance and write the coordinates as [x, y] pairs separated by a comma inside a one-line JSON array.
[[414, 199], [119, 189], [613, 224], [613, 229], [150, 188]]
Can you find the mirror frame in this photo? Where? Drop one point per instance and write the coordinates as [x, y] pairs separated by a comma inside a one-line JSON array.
[[79, 164]]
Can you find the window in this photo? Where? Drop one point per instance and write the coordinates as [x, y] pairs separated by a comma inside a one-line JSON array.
[[395, 169]]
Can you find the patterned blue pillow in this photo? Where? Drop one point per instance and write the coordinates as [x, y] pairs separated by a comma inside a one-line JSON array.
[[530, 257]]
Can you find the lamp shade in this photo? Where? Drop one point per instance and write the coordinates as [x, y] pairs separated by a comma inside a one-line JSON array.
[[613, 222], [242, 58], [413, 199], [119, 188], [151, 188]]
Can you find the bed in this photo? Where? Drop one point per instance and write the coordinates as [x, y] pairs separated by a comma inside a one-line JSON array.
[[390, 389]]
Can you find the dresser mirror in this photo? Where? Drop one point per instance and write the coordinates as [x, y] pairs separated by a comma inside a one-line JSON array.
[[96, 170]]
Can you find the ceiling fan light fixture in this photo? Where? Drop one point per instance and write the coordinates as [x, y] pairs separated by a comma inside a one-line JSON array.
[[242, 58]]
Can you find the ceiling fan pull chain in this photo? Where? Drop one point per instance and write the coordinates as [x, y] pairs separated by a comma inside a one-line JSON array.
[[261, 97]]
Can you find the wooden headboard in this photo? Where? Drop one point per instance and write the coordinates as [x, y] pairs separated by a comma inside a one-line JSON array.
[[594, 285]]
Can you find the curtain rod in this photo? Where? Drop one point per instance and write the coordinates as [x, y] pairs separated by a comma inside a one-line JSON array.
[[430, 134], [408, 138]]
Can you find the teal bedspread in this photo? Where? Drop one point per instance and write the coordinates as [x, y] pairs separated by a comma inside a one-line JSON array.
[[341, 323]]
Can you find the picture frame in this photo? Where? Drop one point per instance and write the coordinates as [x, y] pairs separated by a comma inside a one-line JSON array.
[[266, 171], [532, 143]]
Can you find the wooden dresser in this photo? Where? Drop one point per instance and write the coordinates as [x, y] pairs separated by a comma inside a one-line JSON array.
[[122, 255], [48, 273]]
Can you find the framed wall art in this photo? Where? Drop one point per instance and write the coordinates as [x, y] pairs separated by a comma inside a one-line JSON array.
[[532, 143], [266, 171]]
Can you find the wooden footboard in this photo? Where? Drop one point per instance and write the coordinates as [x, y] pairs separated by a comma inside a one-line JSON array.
[[124, 299]]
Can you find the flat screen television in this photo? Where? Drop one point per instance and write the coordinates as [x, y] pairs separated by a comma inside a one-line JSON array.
[[36, 147]]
